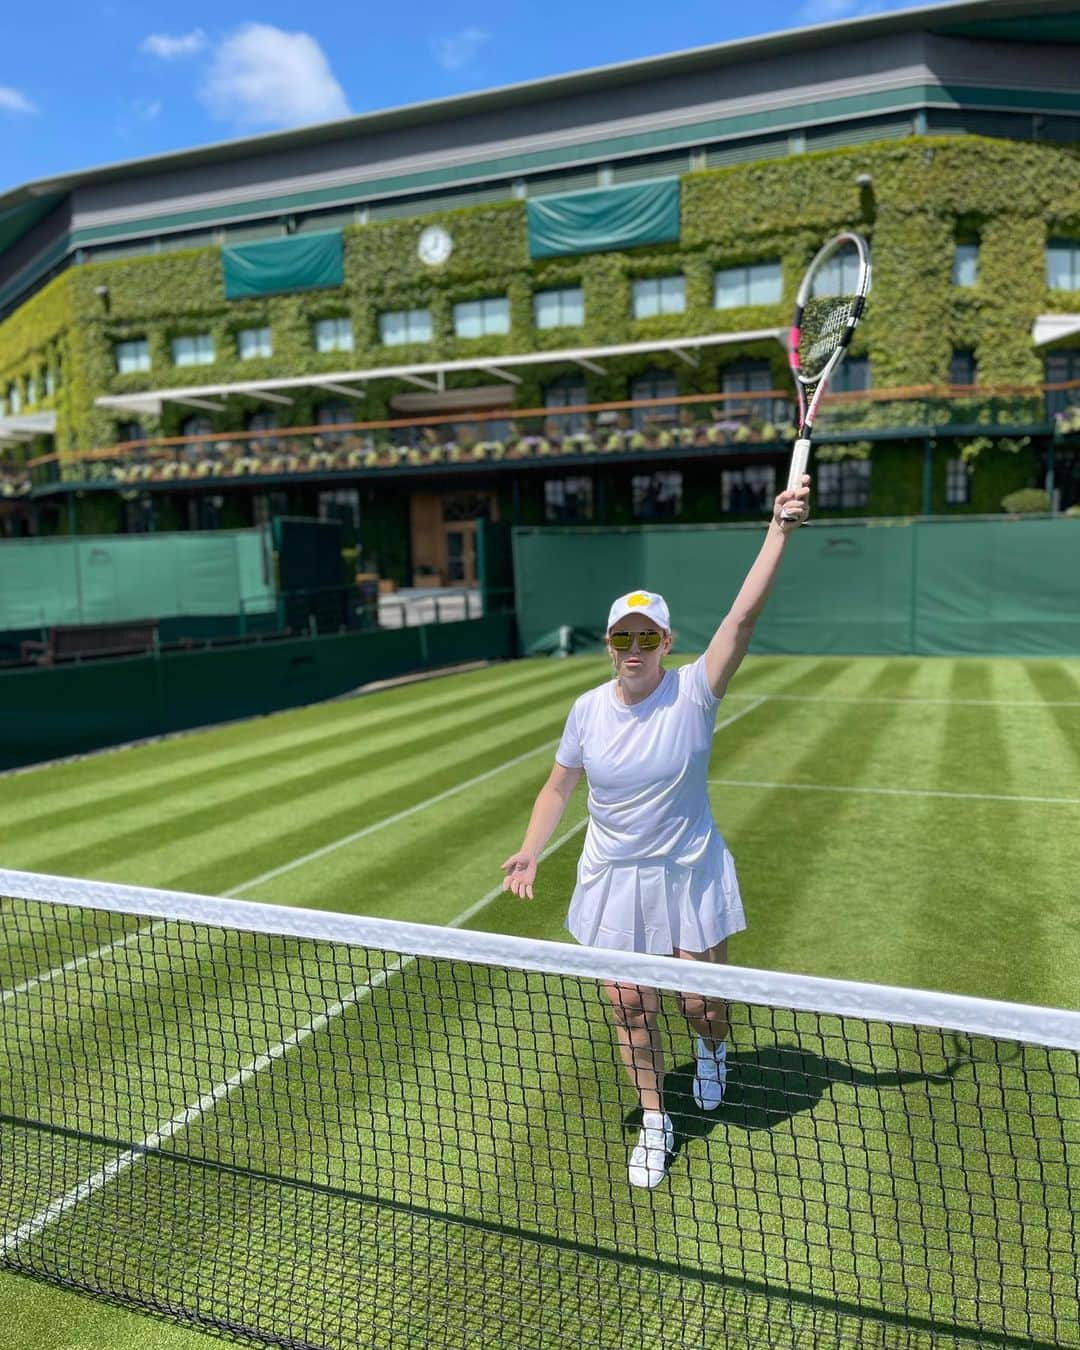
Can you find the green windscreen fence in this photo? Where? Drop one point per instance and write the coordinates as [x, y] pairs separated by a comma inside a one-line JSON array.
[[980, 587], [114, 578], [603, 219], [300, 262]]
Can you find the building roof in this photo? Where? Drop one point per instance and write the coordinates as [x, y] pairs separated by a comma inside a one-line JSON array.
[[1046, 21]]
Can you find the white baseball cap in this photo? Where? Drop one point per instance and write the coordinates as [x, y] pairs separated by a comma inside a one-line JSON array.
[[648, 603]]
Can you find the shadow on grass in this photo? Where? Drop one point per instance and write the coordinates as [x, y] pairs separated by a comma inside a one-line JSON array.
[[767, 1087]]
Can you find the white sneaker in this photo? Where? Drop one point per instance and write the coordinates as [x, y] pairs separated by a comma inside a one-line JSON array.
[[655, 1145], [711, 1076]]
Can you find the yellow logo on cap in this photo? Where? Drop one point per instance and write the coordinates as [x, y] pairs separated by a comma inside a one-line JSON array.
[[638, 599]]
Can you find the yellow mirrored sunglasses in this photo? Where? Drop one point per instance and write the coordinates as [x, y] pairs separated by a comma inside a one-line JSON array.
[[647, 641]]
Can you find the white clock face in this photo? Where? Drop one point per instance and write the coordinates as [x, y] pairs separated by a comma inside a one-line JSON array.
[[435, 245]]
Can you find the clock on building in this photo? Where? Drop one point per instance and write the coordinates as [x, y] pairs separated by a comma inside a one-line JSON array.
[[434, 246]]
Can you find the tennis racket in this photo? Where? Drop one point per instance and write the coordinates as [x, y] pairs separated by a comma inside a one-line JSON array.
[[827, 308]]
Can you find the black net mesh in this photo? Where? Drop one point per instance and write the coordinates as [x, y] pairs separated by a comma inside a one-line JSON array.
[[305, 1143]]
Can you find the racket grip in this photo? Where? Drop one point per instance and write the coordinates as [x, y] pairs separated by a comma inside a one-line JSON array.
[[800, 455]]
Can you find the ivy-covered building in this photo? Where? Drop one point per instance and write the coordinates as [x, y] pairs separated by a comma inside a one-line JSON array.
[[565, 300]]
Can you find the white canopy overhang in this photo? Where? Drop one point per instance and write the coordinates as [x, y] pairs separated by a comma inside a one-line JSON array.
[[25, 426], [1052, 327], [430, 376]]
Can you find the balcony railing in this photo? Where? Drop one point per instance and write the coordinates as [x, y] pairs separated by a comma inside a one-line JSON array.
[[691, 424]]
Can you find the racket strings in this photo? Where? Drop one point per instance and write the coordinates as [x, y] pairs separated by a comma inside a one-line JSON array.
[[821, 331]]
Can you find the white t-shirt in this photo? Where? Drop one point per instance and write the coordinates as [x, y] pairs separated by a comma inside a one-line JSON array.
[[646, 767]]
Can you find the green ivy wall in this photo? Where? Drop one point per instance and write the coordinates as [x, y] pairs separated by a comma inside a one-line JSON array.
[[1014, 195]]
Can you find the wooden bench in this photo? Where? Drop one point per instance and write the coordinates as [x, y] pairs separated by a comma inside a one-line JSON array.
[[76, 642]]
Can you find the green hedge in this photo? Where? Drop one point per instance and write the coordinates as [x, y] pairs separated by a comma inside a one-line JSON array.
[[924, 190]]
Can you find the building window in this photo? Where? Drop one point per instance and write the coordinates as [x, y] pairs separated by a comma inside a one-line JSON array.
[[129, 431], [261, 421], [851, 375], [654, 384], [1063, 265], [14, 398], [333, 414], [748, 491], [195, 350], [839, 275], [956, 482], [750, 376], [400, 326], [132, 356], [962, 368], [332, 335], [253, 342], [658, 295], [965, 264], [198, 424], [657, 496], [1061, 367], [568, 500], [50, 381], [31, 391], [342, 504], [754, 284], [568, 392], [843, 483], [482, 318], [563, 308]]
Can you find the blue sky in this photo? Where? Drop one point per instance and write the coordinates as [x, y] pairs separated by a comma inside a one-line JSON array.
[[89, 82]]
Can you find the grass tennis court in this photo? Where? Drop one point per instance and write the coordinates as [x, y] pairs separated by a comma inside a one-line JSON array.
[[904, 821]]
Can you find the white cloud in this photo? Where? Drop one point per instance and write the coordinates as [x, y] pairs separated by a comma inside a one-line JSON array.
[[12, 101], [171, 46], [829, 11], [148, 109], [263, 76], [455, 52]]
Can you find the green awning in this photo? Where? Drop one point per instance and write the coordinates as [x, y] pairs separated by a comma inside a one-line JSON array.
[[604, 219], [300, 262]]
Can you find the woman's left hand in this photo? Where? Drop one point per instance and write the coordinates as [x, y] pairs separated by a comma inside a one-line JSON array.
[[792, 507]]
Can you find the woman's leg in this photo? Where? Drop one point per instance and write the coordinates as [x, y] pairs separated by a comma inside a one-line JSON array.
[[636, 1015], [708, 1017]]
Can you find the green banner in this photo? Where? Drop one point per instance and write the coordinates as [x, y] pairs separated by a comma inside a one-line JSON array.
[[987, 587], [300, 262], [604, 219]]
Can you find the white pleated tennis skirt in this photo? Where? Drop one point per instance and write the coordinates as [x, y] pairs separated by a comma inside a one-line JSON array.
[[657, 907]]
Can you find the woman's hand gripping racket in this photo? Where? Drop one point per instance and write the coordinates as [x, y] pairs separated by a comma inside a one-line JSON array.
[[827, 308]]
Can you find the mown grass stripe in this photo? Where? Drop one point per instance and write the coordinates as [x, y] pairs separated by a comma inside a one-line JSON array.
[[130, 780], [292, 784], [975, 895], [191, 1111], [790, 855]]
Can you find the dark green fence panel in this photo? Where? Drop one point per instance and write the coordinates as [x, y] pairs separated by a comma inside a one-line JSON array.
[[1006, 587], [48, 713], [995, 587]]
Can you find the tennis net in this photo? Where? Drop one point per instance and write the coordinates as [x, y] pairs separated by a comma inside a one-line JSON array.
[[311, 1130]]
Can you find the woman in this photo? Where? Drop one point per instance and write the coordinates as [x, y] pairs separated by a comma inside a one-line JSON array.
[[655, 875]]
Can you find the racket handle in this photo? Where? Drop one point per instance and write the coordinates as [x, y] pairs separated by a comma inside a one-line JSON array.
[[800, 454], [799, 457]]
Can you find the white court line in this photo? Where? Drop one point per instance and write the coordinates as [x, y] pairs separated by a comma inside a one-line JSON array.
[[99, 952], [170, 1128], [193, 1110], [78, 961], [918, 702], [897, 792]]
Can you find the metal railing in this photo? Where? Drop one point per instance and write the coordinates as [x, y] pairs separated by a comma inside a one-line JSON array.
[[694, 423]]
